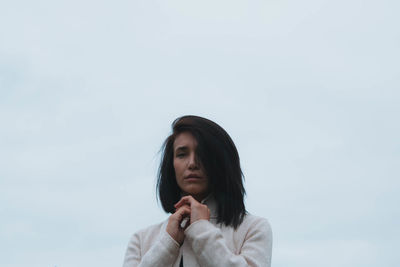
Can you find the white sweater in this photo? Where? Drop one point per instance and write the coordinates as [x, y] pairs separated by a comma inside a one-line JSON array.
[[206, 244]]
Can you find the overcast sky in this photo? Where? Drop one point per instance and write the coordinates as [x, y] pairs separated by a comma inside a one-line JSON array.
[[308, 91]]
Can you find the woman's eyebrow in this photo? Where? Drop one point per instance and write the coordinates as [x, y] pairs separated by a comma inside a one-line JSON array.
[[181, 148]]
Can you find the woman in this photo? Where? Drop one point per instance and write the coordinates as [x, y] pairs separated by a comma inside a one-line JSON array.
[[200, 184]]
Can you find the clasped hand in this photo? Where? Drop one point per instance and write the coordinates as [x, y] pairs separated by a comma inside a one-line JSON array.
[[187, 207]]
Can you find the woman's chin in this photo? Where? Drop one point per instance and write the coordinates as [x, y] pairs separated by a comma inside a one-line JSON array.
[[194, 190], [197, 193]]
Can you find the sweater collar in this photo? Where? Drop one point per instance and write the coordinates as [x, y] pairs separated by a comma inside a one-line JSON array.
[[211, 204]]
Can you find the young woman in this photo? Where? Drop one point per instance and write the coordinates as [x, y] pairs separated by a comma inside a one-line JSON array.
[[200, 184]]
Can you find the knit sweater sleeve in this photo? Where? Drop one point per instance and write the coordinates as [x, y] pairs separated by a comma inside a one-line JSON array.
[[162, 253], [211, 249]]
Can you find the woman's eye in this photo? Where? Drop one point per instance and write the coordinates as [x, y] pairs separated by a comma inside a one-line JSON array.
[[180, 155]]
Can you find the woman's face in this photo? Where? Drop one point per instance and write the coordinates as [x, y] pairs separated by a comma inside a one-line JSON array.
[[190, 175]]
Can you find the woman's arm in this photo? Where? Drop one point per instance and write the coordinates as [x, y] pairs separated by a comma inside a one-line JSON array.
[[210, 246], [166, 247], [162, 253]]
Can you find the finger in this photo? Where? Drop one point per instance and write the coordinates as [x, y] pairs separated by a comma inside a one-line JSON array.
[[182, 201], [183, 212], [189, 200], [181, 204]]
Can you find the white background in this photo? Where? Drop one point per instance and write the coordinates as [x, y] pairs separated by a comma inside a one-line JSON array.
[[308, 90]]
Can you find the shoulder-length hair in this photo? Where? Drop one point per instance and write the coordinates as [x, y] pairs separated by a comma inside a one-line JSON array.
[[219, 157]]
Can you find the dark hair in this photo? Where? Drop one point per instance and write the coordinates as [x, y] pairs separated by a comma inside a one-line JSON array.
[[219, 157]]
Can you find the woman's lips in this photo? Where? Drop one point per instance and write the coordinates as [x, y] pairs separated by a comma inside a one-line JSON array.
[[192, 178]]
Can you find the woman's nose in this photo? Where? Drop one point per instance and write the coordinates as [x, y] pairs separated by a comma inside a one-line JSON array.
[[192, 162]]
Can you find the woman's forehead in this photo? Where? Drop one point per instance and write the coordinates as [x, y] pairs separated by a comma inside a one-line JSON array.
[[185, 139]]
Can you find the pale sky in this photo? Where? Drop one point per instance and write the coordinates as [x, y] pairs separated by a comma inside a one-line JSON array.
[[308, 90]]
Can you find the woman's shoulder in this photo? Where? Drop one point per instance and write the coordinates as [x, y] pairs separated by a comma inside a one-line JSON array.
[[150, 231], [254, 223]]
